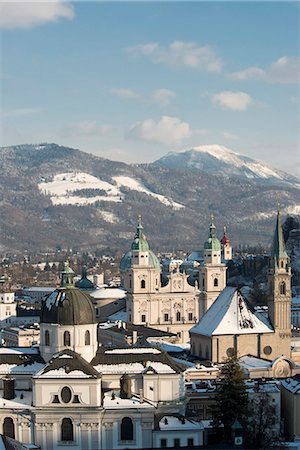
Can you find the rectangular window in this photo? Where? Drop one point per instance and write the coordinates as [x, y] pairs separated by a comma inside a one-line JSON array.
[[166, 317], [143, 318], [163, 443], [190, 442], [176, 443], [190, 316]]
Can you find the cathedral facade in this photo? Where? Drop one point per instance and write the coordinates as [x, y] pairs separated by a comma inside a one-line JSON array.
[[231, 327], [170, 303]]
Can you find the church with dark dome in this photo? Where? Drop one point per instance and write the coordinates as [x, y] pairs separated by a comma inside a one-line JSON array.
[[72, 392]]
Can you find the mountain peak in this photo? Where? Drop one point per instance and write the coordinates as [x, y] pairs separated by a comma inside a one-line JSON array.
[[220, 160]]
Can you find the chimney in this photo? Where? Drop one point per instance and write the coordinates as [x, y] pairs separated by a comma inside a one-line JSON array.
[[125, 386], [134, 337]]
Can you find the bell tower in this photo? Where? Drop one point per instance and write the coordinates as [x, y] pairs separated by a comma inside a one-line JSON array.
[[279, 289], [212, 274]]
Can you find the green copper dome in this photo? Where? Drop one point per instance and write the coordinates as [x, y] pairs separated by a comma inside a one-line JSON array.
[[139, 244], [84, 283], [212, 242]]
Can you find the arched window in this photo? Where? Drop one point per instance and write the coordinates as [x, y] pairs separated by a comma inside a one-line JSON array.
[[282, 264], [203, 283], [282, 288], [178, 316], [9, 427], [126, 429], [143, 284], [67, 339], [87, 338], [67, 433], [47, 338], [216, 282]]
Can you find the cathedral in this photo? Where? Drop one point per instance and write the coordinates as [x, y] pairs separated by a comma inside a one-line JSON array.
[[71, 392], [170, 303], [230, 326]]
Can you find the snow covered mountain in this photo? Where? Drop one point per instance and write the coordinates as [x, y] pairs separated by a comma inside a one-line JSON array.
[[58, 196], [217, 159]]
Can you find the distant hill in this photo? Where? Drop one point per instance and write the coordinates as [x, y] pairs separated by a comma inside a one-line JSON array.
[[217, 159], [57, 196]]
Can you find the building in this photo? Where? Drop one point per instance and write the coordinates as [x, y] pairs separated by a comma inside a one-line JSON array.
[[230, 327], [22, 336], [70, 392], [168, 303], [290, 392], [7, 308]]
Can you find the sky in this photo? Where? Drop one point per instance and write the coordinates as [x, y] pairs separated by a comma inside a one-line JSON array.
[[132, 81]]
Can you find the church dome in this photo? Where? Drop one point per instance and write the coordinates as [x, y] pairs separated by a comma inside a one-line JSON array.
[[212, 242], [84, 283], [126, 261], [68, 305], [139, 244]]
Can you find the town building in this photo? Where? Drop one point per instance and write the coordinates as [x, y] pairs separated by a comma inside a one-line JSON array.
[[230, 326], [171, 302], [71, 392]]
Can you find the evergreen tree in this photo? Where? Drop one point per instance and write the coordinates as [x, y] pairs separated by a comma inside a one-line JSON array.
[[231, 397]]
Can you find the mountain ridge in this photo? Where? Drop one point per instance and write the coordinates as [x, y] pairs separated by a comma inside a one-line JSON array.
[[52, 195]]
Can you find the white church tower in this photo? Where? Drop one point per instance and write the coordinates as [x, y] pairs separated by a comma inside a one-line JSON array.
[[212, 274]]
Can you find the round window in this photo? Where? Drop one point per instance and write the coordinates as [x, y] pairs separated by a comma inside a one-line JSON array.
[[230, 351], [66, 394], [267, 350]]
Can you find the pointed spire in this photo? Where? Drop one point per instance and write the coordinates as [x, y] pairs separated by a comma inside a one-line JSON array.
[[140, 242], [278, 249], [225, 238]]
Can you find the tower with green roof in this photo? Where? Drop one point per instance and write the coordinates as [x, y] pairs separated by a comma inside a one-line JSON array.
[[279, 290], [140, 271], [212, 272]]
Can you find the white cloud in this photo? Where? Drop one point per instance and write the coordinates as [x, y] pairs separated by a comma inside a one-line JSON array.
[[28, 14], [229, 136], [179, 54], [19, 112], [236, 101], [284, 70], [168, 130], [127, 94], [87, 129], [163, 96]]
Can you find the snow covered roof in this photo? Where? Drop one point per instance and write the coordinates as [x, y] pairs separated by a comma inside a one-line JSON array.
[[67, 364], [119, 403], [180, 423], [104, 293], [230, 314], [251, 362]]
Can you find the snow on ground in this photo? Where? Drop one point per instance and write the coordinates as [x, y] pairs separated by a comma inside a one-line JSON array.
[[135, 185], [109, 216], [63, 185], [62, 190], [294, 209]]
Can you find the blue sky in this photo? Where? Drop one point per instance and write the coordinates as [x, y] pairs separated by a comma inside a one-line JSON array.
[[132, 81]]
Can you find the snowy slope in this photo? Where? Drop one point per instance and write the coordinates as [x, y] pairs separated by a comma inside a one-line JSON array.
[[223, 161], [64, 188]]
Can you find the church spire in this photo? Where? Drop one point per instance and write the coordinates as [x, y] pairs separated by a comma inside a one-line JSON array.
[[140, 242], [278, 249]]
